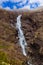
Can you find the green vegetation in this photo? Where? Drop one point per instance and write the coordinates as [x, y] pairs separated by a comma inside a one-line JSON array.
[[4, 63], [3, 59]]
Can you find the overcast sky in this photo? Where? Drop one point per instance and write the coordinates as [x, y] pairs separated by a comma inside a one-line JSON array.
[[17, 4]]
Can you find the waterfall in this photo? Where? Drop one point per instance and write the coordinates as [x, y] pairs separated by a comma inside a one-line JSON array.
[[22, 40]]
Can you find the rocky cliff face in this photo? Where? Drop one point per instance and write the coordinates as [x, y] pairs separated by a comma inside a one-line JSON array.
[[32, 26]]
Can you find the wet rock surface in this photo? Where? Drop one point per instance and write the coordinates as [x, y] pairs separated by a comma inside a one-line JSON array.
[[32, 26]]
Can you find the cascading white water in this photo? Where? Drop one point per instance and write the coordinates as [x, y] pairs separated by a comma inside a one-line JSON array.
[[22, 40]]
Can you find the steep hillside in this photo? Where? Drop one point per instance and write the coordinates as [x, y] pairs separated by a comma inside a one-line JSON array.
[[32, 26]]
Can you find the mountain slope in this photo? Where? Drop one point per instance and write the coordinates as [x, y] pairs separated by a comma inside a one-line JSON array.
[[32, 26]]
